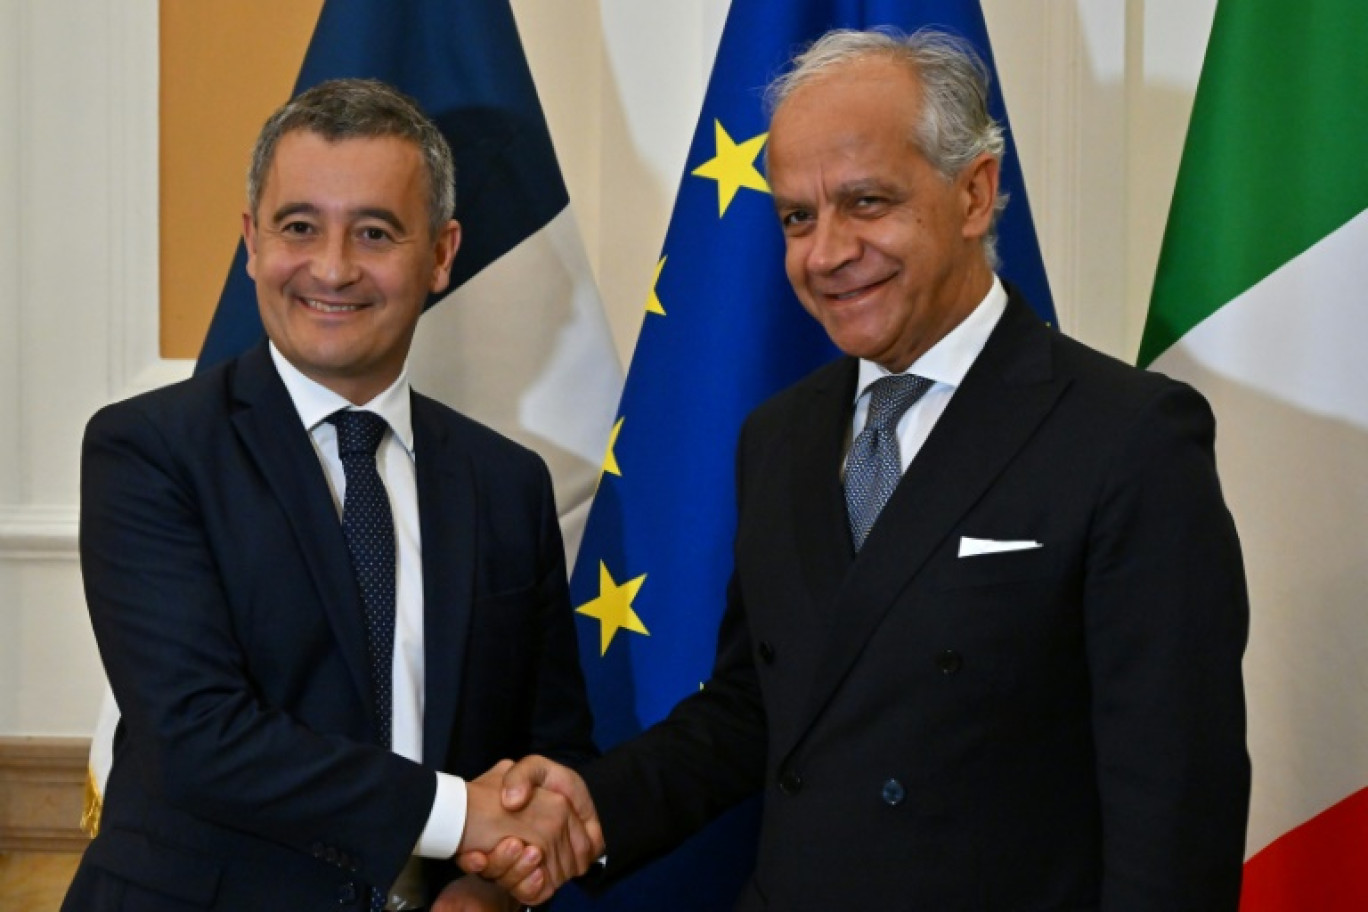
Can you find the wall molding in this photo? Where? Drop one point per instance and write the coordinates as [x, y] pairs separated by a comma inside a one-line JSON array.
[[38, 533], [42, 790], [134, 328], [1061, 75]]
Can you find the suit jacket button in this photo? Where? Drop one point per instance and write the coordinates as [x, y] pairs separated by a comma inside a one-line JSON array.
[[347, 893], [790, 783], [766, 652], [893, 793], [949, 662]]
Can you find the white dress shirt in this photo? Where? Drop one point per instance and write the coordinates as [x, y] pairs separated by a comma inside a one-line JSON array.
[[945, 364], [395, 461]]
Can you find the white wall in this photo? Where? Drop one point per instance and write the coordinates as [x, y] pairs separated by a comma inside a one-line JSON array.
[[1099, 92]]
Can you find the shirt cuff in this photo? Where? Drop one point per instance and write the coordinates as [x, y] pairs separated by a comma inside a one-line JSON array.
[[441, 837]]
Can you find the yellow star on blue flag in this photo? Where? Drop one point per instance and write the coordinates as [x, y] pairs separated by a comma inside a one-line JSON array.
[[653, 304], [610, 463], [733, 167], [613, 607]]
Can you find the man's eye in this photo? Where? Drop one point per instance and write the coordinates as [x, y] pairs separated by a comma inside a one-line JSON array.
[[298, 229], [795, 219], [375, 235]]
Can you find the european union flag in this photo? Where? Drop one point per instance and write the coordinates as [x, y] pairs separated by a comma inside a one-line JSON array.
[[722, 332]]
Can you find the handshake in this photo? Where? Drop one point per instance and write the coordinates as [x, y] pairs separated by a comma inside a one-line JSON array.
[[530, 827]]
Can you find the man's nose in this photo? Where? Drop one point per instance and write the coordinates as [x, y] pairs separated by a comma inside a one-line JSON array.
[[833, 245], [335, 262]]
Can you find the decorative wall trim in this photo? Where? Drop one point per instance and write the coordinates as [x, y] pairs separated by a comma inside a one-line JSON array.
[[38, 533], [42, 788], [1061, 75], [134, 315]]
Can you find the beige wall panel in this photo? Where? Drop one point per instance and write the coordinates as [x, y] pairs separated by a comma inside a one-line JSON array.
[[224, 68]]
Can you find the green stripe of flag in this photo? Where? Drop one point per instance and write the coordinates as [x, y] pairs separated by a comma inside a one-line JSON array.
[[1274, 159]]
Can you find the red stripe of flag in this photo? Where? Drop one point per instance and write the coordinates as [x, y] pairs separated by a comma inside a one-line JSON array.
[[1321, 865]]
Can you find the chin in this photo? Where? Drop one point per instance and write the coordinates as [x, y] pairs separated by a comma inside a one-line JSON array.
[[854, 343]]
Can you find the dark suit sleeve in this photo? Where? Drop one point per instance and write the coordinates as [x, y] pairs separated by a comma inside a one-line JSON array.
[[707, 755], [558, 723], [1167, 618], [562, 725], [209, 744]]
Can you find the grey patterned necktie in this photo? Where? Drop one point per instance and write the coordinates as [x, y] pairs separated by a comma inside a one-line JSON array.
[[368, 527], [873, 465]]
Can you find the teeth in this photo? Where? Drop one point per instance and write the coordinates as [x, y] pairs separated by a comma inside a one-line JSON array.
[[854, 293], [331, 308]]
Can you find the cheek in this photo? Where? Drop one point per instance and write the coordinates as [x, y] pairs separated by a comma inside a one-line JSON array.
[[896, 238], [406, 279], [795, 255], [273, 267]]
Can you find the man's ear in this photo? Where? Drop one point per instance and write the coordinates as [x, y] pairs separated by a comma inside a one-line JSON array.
[[978, 192], [249, 241], [447, 242]]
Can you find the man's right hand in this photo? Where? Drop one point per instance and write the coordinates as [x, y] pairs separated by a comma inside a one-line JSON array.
[[513, 863], [548, 827]]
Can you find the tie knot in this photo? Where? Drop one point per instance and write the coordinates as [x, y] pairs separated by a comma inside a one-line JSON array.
[[358, 433], [889, 397]]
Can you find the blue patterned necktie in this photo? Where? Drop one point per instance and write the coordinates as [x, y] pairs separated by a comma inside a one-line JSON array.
[[369, 530], [874, 465]]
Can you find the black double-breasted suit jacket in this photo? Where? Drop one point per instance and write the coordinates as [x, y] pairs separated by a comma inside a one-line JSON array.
[[246, 773], [1058, 726]]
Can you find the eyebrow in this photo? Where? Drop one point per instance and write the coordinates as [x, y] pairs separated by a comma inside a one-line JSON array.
[[862, 186], [365, 212], [852, 188]]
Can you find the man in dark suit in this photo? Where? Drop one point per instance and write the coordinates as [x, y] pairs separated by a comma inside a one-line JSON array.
[[983, 641], [321, 598]]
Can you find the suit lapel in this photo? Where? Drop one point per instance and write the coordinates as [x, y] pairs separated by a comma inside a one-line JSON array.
[[269, 427], [447, 519], [1005, 396], [820, 524]]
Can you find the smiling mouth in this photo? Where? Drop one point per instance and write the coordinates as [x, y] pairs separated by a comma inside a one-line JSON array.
[[329, 308], [852, 294]]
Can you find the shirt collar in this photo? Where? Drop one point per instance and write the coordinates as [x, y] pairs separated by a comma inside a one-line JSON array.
[[949, 359], [315, 402]]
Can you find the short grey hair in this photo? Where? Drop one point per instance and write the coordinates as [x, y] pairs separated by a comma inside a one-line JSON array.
[[955, 127], [359, 108]]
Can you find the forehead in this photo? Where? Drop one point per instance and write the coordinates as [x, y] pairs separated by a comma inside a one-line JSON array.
[[309, 163], [858, 107]]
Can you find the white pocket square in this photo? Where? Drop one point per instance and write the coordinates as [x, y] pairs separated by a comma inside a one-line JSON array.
[[972, 547]]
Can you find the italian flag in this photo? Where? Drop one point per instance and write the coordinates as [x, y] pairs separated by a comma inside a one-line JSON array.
[[1261, 302]]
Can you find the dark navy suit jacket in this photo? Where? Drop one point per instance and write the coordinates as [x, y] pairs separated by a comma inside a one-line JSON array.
[[1052, 728], [246, 774]]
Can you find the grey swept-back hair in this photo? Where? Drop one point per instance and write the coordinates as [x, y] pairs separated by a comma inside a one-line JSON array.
[[359, 108], [955, 127]]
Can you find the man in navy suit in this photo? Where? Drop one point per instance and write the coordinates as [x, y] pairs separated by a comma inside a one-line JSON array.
[[983, 640], [277, 751]]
